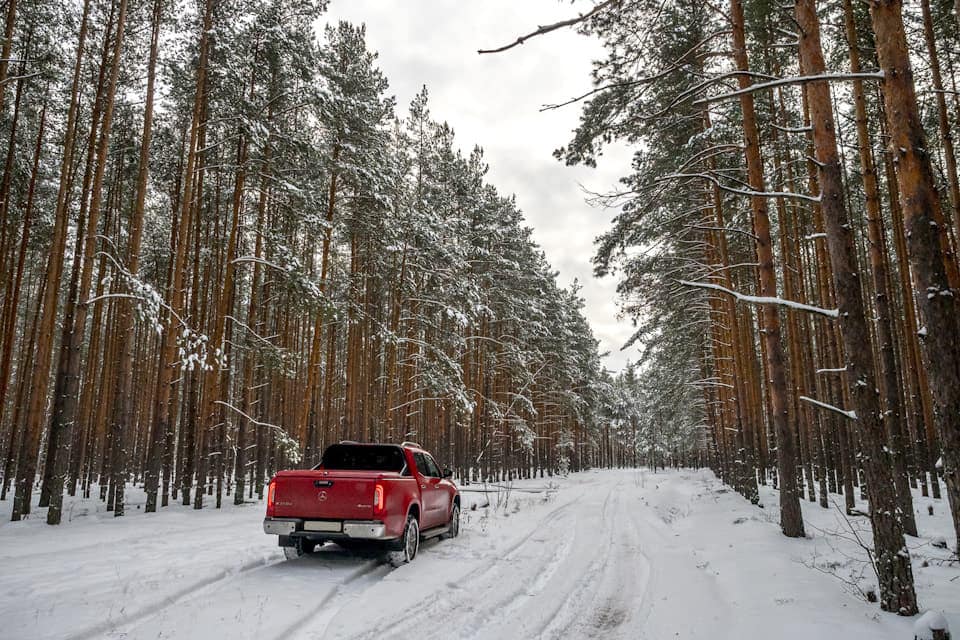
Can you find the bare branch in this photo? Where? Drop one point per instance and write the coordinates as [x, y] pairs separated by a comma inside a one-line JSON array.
[[673, 66], [583, 17]]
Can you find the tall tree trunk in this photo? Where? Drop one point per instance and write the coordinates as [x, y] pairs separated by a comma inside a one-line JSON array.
[[922, 215], [68, 374], [313, 359], [73, 285], [27, 463], [25, 359], [123, 401], [216, 380], [910, 324], [890, 377], [6, 282], [165, 382], [746, 474], [791, 518], [892, 562], [943, 121], [10, 321], [246, 389]]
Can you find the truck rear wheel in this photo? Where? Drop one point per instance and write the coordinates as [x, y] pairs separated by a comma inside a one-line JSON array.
[[409, 544]]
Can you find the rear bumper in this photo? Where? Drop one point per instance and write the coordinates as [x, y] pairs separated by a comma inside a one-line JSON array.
[[280, 526], [365, 530], [327, 529]]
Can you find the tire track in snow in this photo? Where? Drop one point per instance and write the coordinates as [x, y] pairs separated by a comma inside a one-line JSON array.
[[625, 582], [151, 610], [530, 586], [653, 524], [430, 607], [649, 568], [554, 584], [526, 609], [619, 579], [358, 580], [570, 609]]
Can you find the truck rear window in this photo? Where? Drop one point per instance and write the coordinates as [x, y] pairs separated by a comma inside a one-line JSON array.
[[353, 457]]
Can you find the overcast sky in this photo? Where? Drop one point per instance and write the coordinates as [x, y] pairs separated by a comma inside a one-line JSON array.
[[494, 101]]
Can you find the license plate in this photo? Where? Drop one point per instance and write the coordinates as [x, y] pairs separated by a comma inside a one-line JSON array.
[[279, 527], [321, 525]]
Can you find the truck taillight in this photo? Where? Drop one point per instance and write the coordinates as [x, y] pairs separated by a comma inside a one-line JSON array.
[[271, 497], [378, 503]]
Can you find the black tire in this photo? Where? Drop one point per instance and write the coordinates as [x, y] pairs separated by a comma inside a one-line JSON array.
[[453, 527], [409, 544]]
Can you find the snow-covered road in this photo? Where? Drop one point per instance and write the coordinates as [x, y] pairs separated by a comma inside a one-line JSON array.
[[576, 570], [608, 554]]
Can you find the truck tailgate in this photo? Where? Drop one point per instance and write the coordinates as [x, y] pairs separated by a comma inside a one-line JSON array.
[[334, 495]]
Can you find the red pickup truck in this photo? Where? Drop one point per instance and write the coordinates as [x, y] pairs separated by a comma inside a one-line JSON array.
[[385, 494]]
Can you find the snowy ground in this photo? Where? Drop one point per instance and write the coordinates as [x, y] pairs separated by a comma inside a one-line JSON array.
[[607, 554]]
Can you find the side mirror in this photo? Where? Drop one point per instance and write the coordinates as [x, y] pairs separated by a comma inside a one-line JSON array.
[[447, 473]]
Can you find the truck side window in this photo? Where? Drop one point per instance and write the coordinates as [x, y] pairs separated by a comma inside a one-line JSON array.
[[432, 465], [421, 464], [426, 466]]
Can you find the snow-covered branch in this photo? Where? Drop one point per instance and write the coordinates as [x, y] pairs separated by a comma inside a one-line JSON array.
[[706, 154], [710, 383], [727, 267], [266, 263], [799, 306], [107, 296], [249, 330], [290, 446], [760, 86], [792, 129], [823, 405], [742, 192], [730, 229]]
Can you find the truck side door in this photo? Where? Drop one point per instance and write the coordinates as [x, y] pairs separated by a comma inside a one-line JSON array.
[[433, 495], [446, 487]]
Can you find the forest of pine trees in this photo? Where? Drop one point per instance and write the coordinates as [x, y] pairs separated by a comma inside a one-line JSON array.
[[222, 249], [787, 241]]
